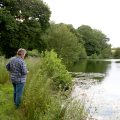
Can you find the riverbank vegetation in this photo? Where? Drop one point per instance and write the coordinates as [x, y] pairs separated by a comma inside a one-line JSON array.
[[47, 90], [116, 53]]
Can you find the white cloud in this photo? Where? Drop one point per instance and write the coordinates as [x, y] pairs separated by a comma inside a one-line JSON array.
[[99, 14]]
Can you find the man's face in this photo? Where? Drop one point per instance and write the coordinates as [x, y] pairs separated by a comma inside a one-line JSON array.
[[23, 55]]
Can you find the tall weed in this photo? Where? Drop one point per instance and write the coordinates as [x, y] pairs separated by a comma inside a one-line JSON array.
[[40, 102], [4, 75]]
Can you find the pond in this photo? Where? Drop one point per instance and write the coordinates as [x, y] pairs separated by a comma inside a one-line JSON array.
[[102, 100]]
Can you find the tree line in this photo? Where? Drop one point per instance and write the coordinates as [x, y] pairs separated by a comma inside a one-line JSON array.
[[116, 53], [26, 23]]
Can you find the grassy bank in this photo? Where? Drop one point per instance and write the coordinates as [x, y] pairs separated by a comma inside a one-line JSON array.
[[47, 88], [7, 109]]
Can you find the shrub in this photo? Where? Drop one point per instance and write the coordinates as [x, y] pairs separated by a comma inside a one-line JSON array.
[[94, 56], [33, 53], [117, 53], [52, 66]]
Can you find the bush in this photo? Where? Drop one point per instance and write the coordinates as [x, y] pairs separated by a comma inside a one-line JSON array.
[[33, 53], [94, 56], [117, 53], [54, 69]]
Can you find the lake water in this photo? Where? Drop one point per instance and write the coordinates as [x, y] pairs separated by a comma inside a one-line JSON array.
[[102, 100]]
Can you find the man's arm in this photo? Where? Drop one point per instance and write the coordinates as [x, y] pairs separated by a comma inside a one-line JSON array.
[[8, 66], [23, 68]]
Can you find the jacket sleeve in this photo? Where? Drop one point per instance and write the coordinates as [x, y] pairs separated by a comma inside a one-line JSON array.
[[23, 68], [8, 66]]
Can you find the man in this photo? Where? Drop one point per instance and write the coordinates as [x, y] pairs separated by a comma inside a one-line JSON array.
[[18, 71]]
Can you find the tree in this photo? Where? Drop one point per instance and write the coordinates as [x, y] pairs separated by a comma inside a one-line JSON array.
[[64, 42], [28, 20], [75, 32], [102, 44], [117, 53], [8, 34], [95, 41], [28, 9], [87, 36]]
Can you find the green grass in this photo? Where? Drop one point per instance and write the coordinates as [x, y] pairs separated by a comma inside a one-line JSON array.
[[41, 100], [7, 109]]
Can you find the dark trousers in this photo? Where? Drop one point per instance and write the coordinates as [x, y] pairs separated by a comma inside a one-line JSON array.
[[18, 90]]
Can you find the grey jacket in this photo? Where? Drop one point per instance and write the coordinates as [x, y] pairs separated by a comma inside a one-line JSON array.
[[17, 68]]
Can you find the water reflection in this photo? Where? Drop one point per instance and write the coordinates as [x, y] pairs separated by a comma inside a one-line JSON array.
[[96, 66], [112, 81], [102, 100]]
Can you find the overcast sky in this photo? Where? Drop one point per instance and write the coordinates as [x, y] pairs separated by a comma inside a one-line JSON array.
[[103, 15]]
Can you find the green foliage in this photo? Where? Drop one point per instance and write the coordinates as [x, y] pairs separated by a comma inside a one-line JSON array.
[[26, 10], [8, 32], [7, 109], [47, 82], [33, 65], [4, 76], [64, 42], [106, 52], [94, 56], [116, 54], [95, 41], [0, 53], [33, 53], [83, 53], [75, 32], [22, 24], [52, 66], [29, 34], [87, 36], [40, 102]]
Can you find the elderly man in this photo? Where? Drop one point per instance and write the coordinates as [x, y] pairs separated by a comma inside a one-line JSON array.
[[18, 71]]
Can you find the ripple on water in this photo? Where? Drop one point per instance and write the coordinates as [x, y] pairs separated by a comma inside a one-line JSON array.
[[98, 102]]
